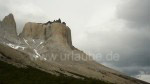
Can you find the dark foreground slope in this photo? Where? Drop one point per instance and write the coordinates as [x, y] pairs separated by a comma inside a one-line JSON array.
[[10, 74]]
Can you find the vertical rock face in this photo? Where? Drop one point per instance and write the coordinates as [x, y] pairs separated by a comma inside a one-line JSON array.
[[1, 30], [0, 23], [57, 33], [8, 28], [33, 31]]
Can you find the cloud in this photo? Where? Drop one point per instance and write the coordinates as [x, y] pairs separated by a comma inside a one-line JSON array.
[[127, 34], [135, 58], [144, 76], [136, 12]]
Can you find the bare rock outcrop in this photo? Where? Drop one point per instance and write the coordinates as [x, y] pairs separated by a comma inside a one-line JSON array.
[[33, 31], [0, 23], [59, 33], [50, 33], [8, 28]]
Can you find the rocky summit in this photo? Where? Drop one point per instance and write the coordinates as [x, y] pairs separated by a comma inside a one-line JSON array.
[[48, 47], [8, 28]]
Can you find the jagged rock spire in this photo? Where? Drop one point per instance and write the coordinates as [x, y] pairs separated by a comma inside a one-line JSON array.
[[8, 27], [9, 20]]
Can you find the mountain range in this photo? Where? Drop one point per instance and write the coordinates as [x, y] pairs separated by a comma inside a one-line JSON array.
[[46, 48]]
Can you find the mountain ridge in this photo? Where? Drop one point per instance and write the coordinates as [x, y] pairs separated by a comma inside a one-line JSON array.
[[39, 42]]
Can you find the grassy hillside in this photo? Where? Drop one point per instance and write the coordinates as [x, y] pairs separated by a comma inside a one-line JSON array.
[[10, 74]]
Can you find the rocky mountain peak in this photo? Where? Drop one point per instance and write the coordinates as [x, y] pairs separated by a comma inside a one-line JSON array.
[[9, 22], [8, 27], [50, 32]]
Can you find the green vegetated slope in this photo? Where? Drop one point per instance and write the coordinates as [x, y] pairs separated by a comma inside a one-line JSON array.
[[10, 74]]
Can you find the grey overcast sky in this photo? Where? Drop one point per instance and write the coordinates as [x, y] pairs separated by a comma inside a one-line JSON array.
[[98, 26]]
